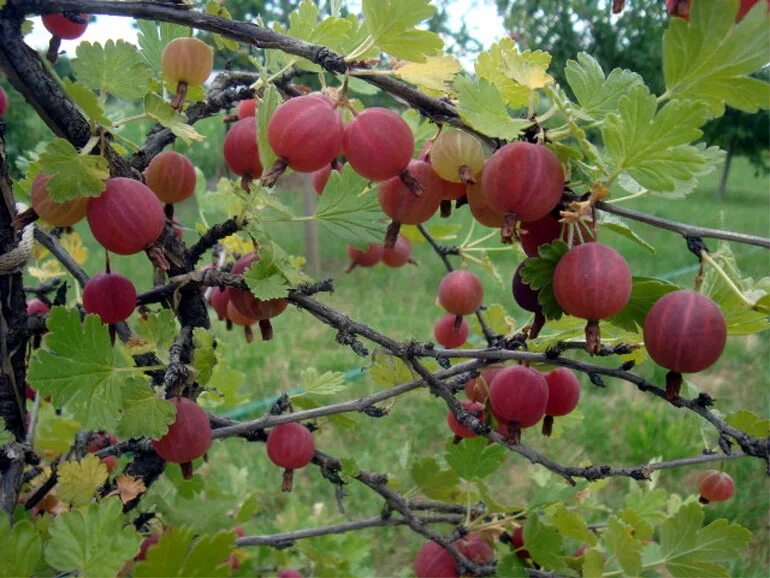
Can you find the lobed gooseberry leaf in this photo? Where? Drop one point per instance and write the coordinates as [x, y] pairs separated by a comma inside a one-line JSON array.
[[709, 59], [360, 87], [474, 458], [326, 383], [21, 547], [645, 291], [154, 37], [434, 481], [527, 69], [93, 541], [129, 487], [741, 318], [87, 101], [617, 225], [643, 530], [158, 330], [570, 524], [392, 28], [596, 94], [54, 433], [350, 210], [204, 356], [78, 480], [433, 75], [652, 146], [387, 370], [332, 32], [179, 552], [648, 504], [343, 420], [749, 422], [593, 564], [143, 413], [512, 566], [491, 65], [72, 175], [482, 107], [687, 549], [620, 540], [115, 68], [161, 112], [543, 542], [538, 274], [217, 9]]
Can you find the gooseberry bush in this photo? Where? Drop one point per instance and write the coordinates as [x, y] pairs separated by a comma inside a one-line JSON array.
[[112, 377]]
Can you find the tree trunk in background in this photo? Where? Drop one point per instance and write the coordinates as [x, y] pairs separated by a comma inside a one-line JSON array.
[[726, 171]]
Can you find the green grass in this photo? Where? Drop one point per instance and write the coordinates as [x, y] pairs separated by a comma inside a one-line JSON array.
[[619, 425]]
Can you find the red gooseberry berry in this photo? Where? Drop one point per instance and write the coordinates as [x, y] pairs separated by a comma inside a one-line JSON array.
[[472, 407], [37, 307], [110, 296], [63, 27], [247, 108], [433, 561], [290, 446], [715, 486], [460, 292], [3, 102], [368, 258], [171, 176], [448, 333], [518, 395], [398, 255], [378, 144], [241, 150], [188, 438], [63, 214]]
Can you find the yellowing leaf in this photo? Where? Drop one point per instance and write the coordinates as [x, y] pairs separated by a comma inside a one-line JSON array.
[[160, 111], [79, 480], [237, 245], [73, 244], [129, 487], [528, 68], [431, 75], [47, 270]]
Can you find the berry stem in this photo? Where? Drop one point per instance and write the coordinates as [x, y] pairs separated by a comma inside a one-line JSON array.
[[673, 385], [271, 177], [593, 337], [411, 183], [52, 55], [466, 175], [181, 93], [508, 228], [266, 329], [548, 425], [446, 209], [187, 470], [391, 235], [288, 480]]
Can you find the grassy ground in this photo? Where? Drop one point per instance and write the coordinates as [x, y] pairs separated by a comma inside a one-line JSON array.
[[619, 426]]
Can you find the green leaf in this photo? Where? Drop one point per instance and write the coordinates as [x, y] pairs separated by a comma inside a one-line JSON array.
[[749, 422], [270, 101], [116, 68], [54, 433], [482, 107], [689, 550], [596, 94], [328, 383], [620, 541], [350, 210], [643, 530], [180, 553], [87, 101], [80, 369], [343, 420], [709, 58], [204, 356], [5, 435], [144, 414], [538, 274], [332, 32], [154, 37], [474, 458], [78, 480], [387, 370], [512, 566], [648, 504], [515, 74], [617, 225], [741, 319], [543, 543], [651, 146], [593, 564], [161, 112], [21, 548], [391, 25], [265, 288], [360, 87], [422, 129], [571, 525], [93, 540], [645, 291], [158, 330], [72, 175], [436, 483]]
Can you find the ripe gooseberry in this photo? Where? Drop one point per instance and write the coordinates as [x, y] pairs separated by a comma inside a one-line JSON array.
[[524, 181], [247, 108], [110, 296], [251, 307], [680, 8], [527, 299], [320, 177], [480, 208], [473, 408], [563, 395], [457, 156], [146, 544], [37, 307], [290, 446], [546, 230], [218, 299], [171, 176], [715, 486], [448, 333], [63, 214], [398, 255], [747, 5], [460, 293], [368, 258], [241, 151], [517, 541], [399, 203], [592, 281], [3, 102], [685, 332], [127, 217], [289, 573], [518, 396], [186, 61], [188, 438], [474, 547], [306, 134], [378, 144], [433, 561], [64, 27], [236, 317]]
